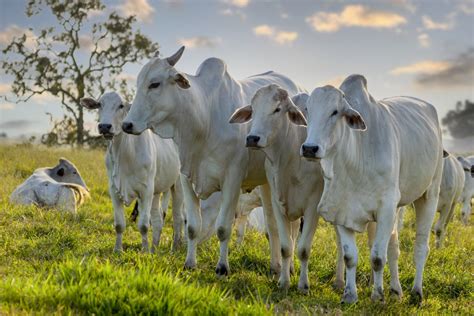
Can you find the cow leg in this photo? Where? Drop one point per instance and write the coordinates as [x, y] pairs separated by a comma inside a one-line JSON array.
[[311, 219], [392, 254], [240, 224], [272, 230], [286, 244], [466, 210], [349, 251], [371, 228], [193, 222], [178, 219], [425, 208], [164, 203], [230, 199], [295, 230], [119, 220], [378, 256], [339, 282], [144, 213], [401, 213], [157, 221]]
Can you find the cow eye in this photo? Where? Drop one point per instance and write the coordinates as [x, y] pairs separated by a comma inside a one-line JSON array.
[[154, 85], [121, 106], [277, 110], [334, 113], [74, 172]]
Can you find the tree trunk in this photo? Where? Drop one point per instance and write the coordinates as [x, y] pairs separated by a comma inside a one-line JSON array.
[[80, 127]]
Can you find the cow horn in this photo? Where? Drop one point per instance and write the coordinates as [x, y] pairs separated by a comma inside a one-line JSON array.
[[172, 60]]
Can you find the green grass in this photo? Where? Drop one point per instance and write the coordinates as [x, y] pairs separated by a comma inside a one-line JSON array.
[[51, 262]]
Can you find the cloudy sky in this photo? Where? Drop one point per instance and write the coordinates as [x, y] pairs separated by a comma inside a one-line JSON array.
[[404, 47]]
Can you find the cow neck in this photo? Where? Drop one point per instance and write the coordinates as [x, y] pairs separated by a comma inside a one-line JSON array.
[[286, 142]]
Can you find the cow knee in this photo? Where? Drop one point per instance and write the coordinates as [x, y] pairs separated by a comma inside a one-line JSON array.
[[143, 229], [222, 233], [285, 252], [119, 228], [377, 263], [350, 257], [303, 254], [191, 232]]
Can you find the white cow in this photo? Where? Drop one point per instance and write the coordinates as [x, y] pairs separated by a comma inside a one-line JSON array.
[[296, 184], [375, 156], [450, 192], [194, 112], [468, 190], [138, 167], [60, 187]]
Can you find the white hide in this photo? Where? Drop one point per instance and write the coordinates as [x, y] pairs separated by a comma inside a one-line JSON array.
[[138, 167], [60, 187], [370, 152], [193, 110], [450, 192], [468, 192]]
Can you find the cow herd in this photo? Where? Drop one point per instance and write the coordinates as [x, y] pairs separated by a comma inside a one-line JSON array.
[[336, 153]]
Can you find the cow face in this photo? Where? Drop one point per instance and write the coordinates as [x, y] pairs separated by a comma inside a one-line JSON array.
[[67, 172], [269, 109], [328, 111], [159, 89], [112, 111]]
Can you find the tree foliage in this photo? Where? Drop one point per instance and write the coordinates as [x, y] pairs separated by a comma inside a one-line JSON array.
[[75, 58], [460, 121]]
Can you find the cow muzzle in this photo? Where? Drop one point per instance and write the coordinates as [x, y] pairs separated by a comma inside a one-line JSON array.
[[252, 141], [127, 127], [106, 130], [310, 151]]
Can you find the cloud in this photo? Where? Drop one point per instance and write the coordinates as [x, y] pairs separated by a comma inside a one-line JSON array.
[[4, 88], [199, 41], [354, 16], [429, 24], [140, 8], [17, 124], [231, 12], [7, 106], [14, 31], [335, 82], [127, 77], [238, 3], [466, 8], [459, 73], [422, 67], [278, 36], [405, 4], [424, 40]]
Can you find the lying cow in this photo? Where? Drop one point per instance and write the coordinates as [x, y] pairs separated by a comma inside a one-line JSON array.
[[468, 190], [450, 192], [60, 187], [138, 167], [193, 110], [375, 156]]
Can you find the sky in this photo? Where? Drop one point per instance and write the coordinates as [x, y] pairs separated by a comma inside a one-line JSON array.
[[403, 47]]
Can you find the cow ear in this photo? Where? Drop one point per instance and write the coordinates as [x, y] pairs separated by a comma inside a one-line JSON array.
[[60, 172], [354, 119], [295, 115], [181, 80], [241, 115], [89, 103]]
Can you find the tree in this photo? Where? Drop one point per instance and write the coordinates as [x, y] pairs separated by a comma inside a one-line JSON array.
[[58, 64], [460, 121]]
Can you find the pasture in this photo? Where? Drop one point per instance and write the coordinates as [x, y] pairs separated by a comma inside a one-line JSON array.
[[52, 262]]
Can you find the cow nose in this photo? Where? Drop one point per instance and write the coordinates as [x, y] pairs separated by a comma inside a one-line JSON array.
[[309, 151], [127, 127], [104, 128], [252, 141]]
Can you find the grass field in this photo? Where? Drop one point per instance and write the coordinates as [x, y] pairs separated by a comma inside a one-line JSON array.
[[52, 262]]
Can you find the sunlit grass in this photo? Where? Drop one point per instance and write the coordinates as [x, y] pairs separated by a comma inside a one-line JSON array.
[[56, 262]]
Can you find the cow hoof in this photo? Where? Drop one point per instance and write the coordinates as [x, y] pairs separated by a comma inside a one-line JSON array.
[[303, 288], [377, 295], [274, 271], [283, 284], [188, 265], [338, 285], [222, 270], [396, 293], [416, 297], [118, 250], [349, 297]]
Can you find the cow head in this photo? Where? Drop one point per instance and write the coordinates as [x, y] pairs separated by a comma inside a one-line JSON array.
[[466, 166], [67, 172], [328, 112], [112, 111], [159, 89], [269, 108]]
